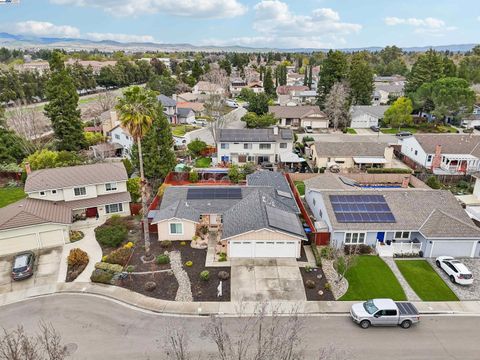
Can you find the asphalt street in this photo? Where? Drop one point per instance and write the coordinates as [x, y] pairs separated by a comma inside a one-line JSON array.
[[97, 328]]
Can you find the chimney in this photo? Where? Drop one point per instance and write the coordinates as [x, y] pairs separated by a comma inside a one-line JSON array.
[[113, 119], [405, 182], [275, 130], [28, 169], [437, 158]]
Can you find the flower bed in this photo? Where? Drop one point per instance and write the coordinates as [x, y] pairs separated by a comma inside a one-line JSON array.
[[77, 262], [311, 276]]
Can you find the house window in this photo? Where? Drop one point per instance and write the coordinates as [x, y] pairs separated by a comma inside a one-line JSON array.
[[402, 235], [80, 191], [176, 229], [111, 186], [314, 201], [283, 145], [265, 146], [54, 192], [43, 193], [429, 158], [224, 146], [113, 208], [247, 146], [355, 238], [416, 152], [251, 158], [117, 136]]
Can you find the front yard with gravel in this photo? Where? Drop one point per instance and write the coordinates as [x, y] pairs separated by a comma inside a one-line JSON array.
[[471, 292]]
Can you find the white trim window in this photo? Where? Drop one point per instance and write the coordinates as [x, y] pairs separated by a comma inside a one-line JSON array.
[[402, 235], [80, 191], [224, 146], [111, 186], [175, 228], [114, 208], [355, 238], [43, 193], [265, 146]]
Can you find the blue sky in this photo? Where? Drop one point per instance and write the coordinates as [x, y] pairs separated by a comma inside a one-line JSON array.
[[257, 23]]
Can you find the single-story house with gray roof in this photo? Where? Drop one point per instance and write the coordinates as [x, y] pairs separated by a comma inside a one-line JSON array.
[[366, 116], [254, 221], [411, 220]]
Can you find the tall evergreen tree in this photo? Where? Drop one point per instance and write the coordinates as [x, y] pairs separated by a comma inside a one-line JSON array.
[[305, 77], [157, 147], [62, 108], [268, 82], [310, 77], [334, 69], [428, 68], [361, 80]]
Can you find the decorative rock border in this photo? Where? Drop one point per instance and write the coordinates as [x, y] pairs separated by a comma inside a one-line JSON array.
[[184, 292], [339, 288]]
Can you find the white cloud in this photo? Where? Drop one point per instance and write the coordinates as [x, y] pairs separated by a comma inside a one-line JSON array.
[[119, 37], [428, 25], [188, 8], [42, 28], [277, 26]]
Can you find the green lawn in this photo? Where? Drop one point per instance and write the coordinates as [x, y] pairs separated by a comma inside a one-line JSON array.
[[425, 281], [181, 130], [372, 278], [203, 162], [351, 131], [9, 195], [300, 185], [395, 130]]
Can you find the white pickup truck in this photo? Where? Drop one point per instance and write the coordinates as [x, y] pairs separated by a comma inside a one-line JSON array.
[[384, 312]]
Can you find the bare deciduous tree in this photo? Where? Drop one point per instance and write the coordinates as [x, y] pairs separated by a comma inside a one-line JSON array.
[[218, 77], [177, 344], [45, 345], [105, 101], [344, 260], [214, 111], [336, 105]]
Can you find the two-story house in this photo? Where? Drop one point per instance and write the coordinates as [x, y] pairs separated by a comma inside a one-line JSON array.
[[240, 146], [300, 116], [169, 108], [56, 198], [444, 154]]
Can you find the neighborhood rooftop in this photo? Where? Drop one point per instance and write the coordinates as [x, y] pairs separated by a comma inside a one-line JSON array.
[[254, 135], [63, 177], [294, 111], [451, 143], [352, 148], [375, 111]]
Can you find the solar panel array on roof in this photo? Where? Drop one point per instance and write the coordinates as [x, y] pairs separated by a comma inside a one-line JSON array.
[[284, 220], [214, 194], [361, 209]]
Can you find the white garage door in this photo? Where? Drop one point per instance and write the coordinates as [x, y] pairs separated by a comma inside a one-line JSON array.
[[263, 249], [18, 244], [51, 238], [452, 248]]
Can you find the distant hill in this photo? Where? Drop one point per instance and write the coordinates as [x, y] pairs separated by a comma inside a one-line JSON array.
[[32, 42]]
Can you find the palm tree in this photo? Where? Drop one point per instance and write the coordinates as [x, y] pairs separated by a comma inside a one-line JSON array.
[[137, 110]]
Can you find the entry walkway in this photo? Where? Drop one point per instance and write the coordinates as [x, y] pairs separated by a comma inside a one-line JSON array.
[[411, 295]]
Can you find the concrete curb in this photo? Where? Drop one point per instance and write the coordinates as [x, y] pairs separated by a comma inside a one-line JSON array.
[[144, 303]]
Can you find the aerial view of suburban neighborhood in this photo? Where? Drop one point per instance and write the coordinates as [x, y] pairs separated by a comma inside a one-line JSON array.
[[239, 180]]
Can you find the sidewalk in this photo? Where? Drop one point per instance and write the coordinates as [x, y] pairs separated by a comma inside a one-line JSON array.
[[139, 301]]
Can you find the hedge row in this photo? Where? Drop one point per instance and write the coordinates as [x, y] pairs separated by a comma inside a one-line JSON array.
[[388, 171], [316, 255]]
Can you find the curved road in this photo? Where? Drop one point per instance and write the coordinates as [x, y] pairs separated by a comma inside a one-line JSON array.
[[101, 328]]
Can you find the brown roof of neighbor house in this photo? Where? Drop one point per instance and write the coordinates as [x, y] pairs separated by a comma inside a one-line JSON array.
[[114, 198], [29, 212], [451, 143], [339, 149], [286, 89], [295, 112], [64, 177], [197, 107]]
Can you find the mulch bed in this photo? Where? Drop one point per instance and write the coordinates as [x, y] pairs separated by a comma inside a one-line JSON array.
[[166, 289], [74, 271], [312, 294]]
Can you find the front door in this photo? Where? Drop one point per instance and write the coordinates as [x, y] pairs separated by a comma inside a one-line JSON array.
[[213, 220], [380, 236], [91, 212]]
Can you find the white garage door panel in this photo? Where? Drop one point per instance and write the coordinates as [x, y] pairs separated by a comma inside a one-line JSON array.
[[51, 238], [452, 248], [263, 249], [18, 244]]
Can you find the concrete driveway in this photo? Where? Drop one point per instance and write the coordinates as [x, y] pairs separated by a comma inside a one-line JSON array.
[[266, 279], [46, 268]]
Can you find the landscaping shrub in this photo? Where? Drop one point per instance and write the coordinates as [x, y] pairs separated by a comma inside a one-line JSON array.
[[193, 176], [310, 284], [326, 252], [433, 182], [189, 263], [150, 286], [101, 276], [163, 259], [130, 268], [223, 275], [76, 235], [318, 260], [119, 256], [128, 221], [111, 235], [183, 243], [222, 257], [112, 268], [328, 286], [308, 268], [165, 244], [128, 245], [205, 275], [77, 257], [360, 249], [388, 171]]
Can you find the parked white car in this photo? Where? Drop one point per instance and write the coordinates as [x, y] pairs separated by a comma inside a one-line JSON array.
[[231, 103], [455, 269]]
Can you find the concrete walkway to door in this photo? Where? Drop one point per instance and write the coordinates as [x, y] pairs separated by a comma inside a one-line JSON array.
[[266, 280]]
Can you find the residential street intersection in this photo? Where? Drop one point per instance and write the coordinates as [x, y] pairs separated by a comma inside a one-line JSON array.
[[93, 327]]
